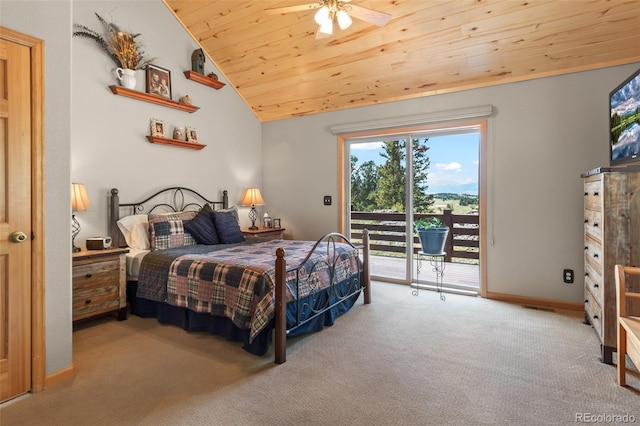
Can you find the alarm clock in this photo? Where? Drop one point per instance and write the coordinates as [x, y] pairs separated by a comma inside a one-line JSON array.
[[98, 243]]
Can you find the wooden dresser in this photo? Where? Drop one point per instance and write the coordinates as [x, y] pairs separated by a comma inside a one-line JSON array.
[[99, 283], [611, 236]]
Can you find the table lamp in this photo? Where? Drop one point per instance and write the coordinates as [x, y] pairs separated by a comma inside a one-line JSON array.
[[253, 198], [79, 203]]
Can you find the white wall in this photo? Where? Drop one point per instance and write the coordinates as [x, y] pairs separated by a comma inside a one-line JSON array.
[[108, 144], [544, 134], [51, 22]]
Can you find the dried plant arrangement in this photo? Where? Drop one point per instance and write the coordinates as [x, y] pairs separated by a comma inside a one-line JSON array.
[[122, 47]]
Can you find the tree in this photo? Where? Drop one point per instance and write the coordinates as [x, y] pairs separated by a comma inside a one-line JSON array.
[[364, 184], [391, 177], [421, 163]]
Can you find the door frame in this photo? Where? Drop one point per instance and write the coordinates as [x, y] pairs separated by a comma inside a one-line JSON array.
[[479, 122], [38, 347]]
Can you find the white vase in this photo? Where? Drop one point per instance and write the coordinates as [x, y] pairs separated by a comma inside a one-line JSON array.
[[127, 77]]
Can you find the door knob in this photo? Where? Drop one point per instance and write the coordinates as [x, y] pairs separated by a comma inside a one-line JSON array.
[[18, 237]]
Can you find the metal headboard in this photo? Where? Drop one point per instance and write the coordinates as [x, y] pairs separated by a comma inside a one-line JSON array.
[[177, 202]]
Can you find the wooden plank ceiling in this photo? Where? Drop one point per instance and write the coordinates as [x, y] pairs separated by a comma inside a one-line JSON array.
[[428, 47]]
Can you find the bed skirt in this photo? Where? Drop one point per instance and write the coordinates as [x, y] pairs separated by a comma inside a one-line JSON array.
[[223, 326]]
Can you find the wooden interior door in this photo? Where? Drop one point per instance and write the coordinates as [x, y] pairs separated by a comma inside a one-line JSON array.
[[15, 219]]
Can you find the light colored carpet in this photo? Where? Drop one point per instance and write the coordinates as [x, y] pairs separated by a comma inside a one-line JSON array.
[[403, 360]]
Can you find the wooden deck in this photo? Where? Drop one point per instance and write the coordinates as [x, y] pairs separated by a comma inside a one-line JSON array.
[[458, 275]]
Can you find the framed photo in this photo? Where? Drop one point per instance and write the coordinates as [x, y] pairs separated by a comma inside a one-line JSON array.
[[158, 81], [276, 222], [192, 134], [157, 128]]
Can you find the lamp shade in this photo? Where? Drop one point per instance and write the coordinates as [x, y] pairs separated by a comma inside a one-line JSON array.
[[252, 198], [322, 15], [344, 20], [79, 199]]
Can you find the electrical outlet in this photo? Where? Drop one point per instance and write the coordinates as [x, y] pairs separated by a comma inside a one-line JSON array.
[[327, 200], [568, 276]]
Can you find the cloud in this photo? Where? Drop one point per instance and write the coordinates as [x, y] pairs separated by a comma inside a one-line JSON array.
[[453, 166], [368, 145]]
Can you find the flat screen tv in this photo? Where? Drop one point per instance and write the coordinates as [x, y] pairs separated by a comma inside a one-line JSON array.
[[624, 125]]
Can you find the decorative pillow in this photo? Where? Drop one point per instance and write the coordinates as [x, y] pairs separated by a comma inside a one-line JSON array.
[[135, 229], [227, 227], [233, 210], [202, 227], [167, 230]]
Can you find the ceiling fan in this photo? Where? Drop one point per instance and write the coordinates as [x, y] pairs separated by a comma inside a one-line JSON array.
[[338, 10]]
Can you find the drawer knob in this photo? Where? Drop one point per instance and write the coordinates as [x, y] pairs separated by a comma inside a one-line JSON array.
[[595, 286], [595, 317], [586, 193], [86, 302], [586, 300], [586, 247], [586, 221], [595, 193], [595, 255], [595, 224], [586, 274], [88, 275]]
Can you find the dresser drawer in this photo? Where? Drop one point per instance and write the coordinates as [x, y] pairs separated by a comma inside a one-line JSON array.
[[593, 195], [594, 312], [593, 223], [593, 253], [593, 282]]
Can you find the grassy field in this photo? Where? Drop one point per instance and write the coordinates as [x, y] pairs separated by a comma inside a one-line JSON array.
[[440, 204]]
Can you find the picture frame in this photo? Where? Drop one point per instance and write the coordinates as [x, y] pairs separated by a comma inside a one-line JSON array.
[[267, 223], [158, 81], [276, 222], [192, 134], [158, 128]]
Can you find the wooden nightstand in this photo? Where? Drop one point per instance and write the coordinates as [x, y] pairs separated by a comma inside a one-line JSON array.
[[99, 283], [270, 233]]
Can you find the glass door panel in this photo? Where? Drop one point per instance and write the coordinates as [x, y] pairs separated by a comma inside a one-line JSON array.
[[377, 200]]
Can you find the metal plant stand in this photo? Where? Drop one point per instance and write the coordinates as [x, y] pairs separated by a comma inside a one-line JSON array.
[[436, 260]]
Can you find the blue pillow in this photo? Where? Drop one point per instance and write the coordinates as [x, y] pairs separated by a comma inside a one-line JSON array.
[[226, 222], [202, 227]]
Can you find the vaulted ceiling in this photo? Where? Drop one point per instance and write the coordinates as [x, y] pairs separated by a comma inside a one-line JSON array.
[[428, 47]]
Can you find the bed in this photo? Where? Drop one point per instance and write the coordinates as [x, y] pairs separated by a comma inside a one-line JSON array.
[[254, 291]]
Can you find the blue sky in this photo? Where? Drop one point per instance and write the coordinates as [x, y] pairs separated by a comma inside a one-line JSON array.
[[454, 161]]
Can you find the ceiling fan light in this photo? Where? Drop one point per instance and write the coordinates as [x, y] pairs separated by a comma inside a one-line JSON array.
[[344, 20], [326, 27], [322, 15]]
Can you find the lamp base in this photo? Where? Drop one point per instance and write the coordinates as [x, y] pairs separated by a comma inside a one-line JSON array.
[[253, 216], [76, 249]]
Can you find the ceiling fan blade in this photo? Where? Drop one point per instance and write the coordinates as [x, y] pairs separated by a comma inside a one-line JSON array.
[[371, 16], [289, 9]]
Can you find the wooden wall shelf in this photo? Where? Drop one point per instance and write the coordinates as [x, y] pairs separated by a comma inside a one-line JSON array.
[[154, 99], [203, 79], [175, 142]]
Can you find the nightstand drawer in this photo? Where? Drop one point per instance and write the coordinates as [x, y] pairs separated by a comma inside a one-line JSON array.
[[95, 274], [95, 300]]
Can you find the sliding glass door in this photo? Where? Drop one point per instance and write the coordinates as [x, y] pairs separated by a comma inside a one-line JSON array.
[[394, 179]]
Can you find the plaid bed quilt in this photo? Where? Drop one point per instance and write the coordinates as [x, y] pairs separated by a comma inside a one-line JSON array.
[[238, 281]]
